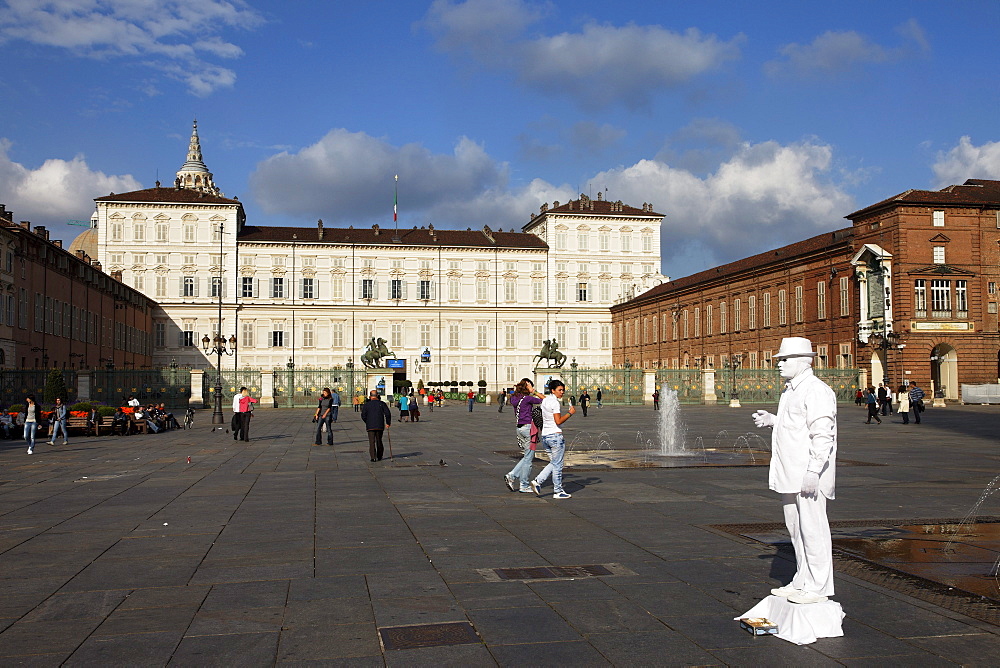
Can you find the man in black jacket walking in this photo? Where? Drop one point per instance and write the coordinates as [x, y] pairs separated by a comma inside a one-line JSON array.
[[377, 417]]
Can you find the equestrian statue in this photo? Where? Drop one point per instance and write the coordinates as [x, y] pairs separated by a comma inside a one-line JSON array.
[[376, 350], [550, 351]]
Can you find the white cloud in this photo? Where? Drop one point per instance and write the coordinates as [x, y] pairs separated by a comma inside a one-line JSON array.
[[57, 191], [171, 36], [600, 65], [967, 161], [837, 52], [762, 196]]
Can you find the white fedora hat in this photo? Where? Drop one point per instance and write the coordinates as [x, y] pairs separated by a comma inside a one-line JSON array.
[[795, 346]]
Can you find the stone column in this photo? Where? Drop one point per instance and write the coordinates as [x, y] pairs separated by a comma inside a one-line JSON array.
[[708, 381], [197, 399], [266, 389], [83, 386], [649, 385]]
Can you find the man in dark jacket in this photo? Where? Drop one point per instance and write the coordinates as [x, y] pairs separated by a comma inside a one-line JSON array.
[[377, 418]]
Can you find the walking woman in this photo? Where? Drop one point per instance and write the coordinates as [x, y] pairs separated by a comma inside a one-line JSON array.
[[59, 415], [872, 402], [30, 422], [904, 404], [524, 398]]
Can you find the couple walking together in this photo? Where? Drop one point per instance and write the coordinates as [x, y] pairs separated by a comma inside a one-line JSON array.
[[525, 399]]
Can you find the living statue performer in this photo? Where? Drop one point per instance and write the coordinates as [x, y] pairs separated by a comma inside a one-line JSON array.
[[803, 468]]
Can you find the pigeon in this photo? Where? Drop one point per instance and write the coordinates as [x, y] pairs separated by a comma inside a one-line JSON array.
[[441, 463]]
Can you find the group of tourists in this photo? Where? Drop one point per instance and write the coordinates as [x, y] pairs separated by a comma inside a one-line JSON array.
[[879, 402], [539, 419]]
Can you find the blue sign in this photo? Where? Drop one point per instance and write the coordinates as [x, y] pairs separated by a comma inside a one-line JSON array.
[[395, 364]]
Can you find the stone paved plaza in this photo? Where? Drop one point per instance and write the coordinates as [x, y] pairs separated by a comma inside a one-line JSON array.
[[117, 551]]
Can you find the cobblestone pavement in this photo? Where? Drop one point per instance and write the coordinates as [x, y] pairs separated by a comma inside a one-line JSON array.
[[117, 551]]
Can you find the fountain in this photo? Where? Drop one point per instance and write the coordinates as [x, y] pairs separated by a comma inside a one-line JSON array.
[[670, 427]]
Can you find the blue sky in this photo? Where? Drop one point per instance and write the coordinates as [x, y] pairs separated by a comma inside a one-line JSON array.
[[749, 125]]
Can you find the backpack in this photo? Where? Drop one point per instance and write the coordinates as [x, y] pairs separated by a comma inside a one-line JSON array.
[[536, 415]]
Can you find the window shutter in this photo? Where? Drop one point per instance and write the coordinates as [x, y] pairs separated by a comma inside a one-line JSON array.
[[374, 289], [196, 282], [315, 288], [433, 293], [403, 290], [195, 339], [180, 338], [180, 287]]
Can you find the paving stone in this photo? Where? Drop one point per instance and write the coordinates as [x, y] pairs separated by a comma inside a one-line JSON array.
[[328, 612], [246, 595], [649, 648], [342, 586], [246, 649], [147, 620], [454, 655], [236, 620], [549, 654], [313, 642], [134, 649], [521, 625]]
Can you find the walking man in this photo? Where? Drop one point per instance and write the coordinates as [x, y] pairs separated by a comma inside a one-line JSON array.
[[236, 423], [584, 402], [883, 399], [471, 396], [245, 412], [59, 422], [803, 468], [377, 417], [916, 401], [324, 417], [334, 404], [600, 396], [553, 440]]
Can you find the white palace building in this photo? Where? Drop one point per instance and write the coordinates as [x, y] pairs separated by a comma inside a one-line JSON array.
[[480, 302]]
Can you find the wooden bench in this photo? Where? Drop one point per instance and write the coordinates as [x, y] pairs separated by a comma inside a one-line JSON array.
[[79, 423], [139, 425]]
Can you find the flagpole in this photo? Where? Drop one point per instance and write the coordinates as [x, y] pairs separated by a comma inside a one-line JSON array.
[[395, 203]]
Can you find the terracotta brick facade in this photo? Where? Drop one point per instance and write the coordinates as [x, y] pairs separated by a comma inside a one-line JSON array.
[[908, 293]]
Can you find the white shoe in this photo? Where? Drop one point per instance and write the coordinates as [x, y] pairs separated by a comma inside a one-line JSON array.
[[536, 488], [30, 451], [785, 591], [562, 495], [49, 443], [804, 597]]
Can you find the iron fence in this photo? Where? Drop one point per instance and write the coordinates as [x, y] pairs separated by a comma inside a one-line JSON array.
[[302, 387], [169, 386], [764, 386], [689, 384], [232, 381], [622, 387]]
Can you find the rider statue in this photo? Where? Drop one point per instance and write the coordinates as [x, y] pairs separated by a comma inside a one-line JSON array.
[[550, 351], [376, 350]]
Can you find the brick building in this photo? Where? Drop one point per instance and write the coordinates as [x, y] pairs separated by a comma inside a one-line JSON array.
[[58, 309], [907, 293]]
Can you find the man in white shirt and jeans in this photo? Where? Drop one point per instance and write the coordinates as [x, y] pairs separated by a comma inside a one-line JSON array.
[[803, 468], [552, 439]]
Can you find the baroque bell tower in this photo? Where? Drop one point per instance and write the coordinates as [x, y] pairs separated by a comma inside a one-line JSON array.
[[194, 174]]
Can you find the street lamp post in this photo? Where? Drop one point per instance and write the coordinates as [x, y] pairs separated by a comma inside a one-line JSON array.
[[218, 349], [734, 361]]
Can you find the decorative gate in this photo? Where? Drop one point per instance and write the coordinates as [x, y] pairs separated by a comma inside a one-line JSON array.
[[764, 386], [687, 383], [169, 386], [16, 384], [618, 386], [302, 387], [845, 382], [232, 381]]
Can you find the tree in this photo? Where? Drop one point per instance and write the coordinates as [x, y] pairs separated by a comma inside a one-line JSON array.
[[55, 386]]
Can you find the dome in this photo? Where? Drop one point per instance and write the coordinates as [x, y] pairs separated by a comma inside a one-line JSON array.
[[87, 242]]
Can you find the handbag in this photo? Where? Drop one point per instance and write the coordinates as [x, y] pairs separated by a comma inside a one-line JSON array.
[[536, 416]]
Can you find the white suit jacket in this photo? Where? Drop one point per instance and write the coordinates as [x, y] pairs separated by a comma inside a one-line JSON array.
[[804, 436]]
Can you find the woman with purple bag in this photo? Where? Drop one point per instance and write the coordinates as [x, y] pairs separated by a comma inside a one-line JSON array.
[[522, 402]]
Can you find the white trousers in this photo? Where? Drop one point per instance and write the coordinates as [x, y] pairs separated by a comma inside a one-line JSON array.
[[810, 531]]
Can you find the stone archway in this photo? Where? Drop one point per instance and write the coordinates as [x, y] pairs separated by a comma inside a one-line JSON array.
[[944, 371], [879, 368]]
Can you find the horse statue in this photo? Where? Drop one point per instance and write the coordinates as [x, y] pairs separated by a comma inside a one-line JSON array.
[[376, 350], [550, 351]]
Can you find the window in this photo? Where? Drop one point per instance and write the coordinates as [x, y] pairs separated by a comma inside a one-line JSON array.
[[962, 298], [647, 242], [584, 337], [940, 299], [395, 289], [308, 335], [277, 337], [161, 286], [752, 312], [920, 298], [561, 291], [162, 260], [162, 230], [560, 241], [246, 334], [337, 287], [188, 286], [188, 337], [395, 335], [561, 335], [939, 219], [117, 231], [217, 286], [277, 287], [189, 232], [991, 287], [246, 286], [938, 254], [697, 321], [782, 307], [822, 357], [845, 296], [367, 288], [722, 317], [821, 300], [510, 335], [425, 334], [799, 304], [482, 290], [453, 336], [160, 334], [685, 323], [605, 336], [604, 241], [626, 238], [537, 336], [308, 288], [581, 292], [537, 291], [139, 230], [425, 291], [846, 360], [337, 335], [737, 315], [538, 267], [482, 336], [766, 308], [583, 241], [509, 290], [454, 289], [138, 281]]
